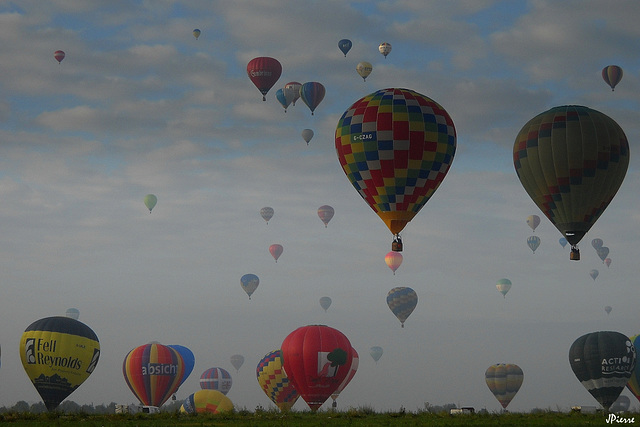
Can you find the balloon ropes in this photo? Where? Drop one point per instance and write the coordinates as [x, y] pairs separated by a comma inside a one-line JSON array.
[[395, 146], [571, 160]]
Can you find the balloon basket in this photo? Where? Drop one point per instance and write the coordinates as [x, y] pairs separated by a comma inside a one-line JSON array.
[[575, 254]]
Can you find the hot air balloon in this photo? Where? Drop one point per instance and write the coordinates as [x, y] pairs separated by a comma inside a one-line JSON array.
[[533, 242], [153, 372], [364, 68], [562, 241], [266, 213], [597, 243], [325, 213], [188, 361], [312, 94], [503, 286], [533, 221], [608, 309], [206, 401], [249, 283], [376, 353], [274, 382], [603, 362], [216, 379], [73, 313], [402, 301], [355, 361], [264, 72], [284, 98], [607, 261], [571, 160], [294, 87], [58, 354], [634, 382], [621, 404], [276, 250], [150, 201], [504, 381], [196, 33], [345, 46], [612, 74], [603, 252], [384, 49], [307, 134], [393, 260], [325, 303], [395, 146], [317, 359], [237, 360], [594, 274], [59, 55]]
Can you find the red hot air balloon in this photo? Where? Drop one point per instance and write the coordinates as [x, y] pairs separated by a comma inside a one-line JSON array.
[[59, 55], [317, 359], [276, 250], [264, 72], [153, 372]]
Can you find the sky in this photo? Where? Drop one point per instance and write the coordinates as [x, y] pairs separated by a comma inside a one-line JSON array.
[[140, 106]]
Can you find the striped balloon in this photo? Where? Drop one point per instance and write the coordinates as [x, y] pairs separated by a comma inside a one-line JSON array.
[[216, 379], [274, 381], [612, 74], [634, 382], [504, 381], [402, 301], [153, 372]]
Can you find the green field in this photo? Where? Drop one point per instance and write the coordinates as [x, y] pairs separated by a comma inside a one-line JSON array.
[[320, 419]]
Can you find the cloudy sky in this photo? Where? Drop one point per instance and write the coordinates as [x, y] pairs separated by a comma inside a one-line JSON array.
[[140, 106]]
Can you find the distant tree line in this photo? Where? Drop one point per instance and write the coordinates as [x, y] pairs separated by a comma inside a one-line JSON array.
[[70, 407]]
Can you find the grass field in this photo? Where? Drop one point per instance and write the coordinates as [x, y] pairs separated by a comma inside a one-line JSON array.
[[308, 419]]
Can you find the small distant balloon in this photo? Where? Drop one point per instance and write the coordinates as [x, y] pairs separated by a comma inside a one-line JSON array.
[[533, 221], [608, 309], [196, 33], [312, 94], [612, 74], [376, 353], [393, 260], [325, 303], [73, 313], [216, 379], [597, 243], [285, 98], [294, 87], [249, 283], [533, 242], [603, 252], [402, 301], [563, 242], [594, 274], [237, 360], [325, 213], [364, 68], [266, 213], [607, 261], [150, 201], [307, 134], [59, 55], [384, 48], [345, 46], [276, 250], [503, 286]]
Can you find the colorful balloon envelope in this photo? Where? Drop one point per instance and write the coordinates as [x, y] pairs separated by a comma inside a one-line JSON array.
[[206, 401], [402, 301], [533, 221], [393, 260], [153, 372], [150, 201], [276, 250], [59, 55], [612, 74], [266, 213], [345, 46], [571, 160], [284, 98], [325, 213], [312, 94], [384, 49], [274, 382], [504, 381], [196, 33], [603, 362], [216, 379], [376, 353], [188, 360], [264, 72], [307, 134], [317, 359], [634, 382], [325, 303], [249, 283], [58, 354], [503, 286], [364, 68], [237, 360], [395, 146], [355, 361], [533, 242]]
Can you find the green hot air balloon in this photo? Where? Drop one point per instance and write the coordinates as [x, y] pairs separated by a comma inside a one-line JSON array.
[[503, 286], [150, 201], [571, 160]]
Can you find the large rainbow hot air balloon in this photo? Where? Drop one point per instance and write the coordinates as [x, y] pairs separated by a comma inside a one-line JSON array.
[[395, 146], [274, 382], [58, 354], [153, 372], [571, 160]]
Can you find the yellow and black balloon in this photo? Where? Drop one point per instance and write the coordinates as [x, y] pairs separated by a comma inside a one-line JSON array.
[[58, 354]]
